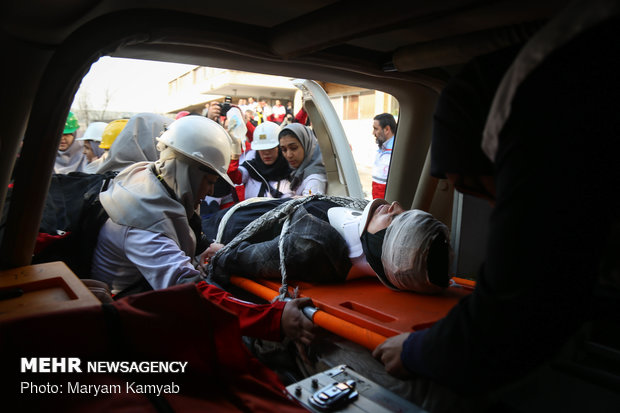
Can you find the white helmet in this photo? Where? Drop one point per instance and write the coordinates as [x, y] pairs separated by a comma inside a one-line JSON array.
[[265, 136], [93, 132], [202, 140]]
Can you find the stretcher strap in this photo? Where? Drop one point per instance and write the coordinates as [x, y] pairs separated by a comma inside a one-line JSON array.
[[284, 287]]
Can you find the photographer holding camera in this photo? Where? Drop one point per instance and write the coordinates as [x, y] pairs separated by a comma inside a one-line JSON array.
[[217, 110], [231, 117]]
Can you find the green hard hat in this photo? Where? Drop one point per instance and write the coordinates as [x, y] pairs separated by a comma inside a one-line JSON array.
[[72, 124]]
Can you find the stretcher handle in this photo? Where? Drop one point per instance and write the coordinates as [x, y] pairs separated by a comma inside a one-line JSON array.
[[362, 336]]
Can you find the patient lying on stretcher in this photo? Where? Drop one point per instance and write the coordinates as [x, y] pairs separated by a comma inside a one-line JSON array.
[[327, 239]]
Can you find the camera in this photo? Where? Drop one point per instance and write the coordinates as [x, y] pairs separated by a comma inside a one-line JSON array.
[[224, 108]]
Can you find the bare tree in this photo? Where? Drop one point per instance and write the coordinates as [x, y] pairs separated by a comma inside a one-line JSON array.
[[107, 98], [83, 107], [87, 111]]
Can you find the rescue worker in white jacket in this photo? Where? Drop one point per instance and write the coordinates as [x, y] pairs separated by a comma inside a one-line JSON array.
[[150, 205]]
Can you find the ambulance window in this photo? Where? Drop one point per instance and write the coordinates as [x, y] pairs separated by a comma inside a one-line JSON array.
[[118, 88], [357, 108]]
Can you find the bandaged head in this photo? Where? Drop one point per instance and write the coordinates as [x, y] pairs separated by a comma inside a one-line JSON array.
[[413, 242]]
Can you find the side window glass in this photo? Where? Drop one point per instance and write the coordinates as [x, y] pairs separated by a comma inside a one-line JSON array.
[[357, 109], [121, 88]]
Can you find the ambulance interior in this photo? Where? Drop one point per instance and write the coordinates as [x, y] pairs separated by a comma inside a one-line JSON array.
[[408, 50]]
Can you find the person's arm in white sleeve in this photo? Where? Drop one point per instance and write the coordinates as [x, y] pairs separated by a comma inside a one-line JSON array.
[[159, 259], [244, 175], [313, 185]]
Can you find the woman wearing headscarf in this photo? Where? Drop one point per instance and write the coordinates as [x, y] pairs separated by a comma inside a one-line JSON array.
[[136, 142], [70, 157], [108, 136], [91, 141], [301, 150], [266, 175]]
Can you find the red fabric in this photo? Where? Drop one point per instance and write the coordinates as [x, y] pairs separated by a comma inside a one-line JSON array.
[[181, 114], [227, 205], [302, 116], [235, 175], [255, 320], [175, 324], [378, 190], [240, 190], [44, 239], [279, 118], [233, 171], [250, 132]]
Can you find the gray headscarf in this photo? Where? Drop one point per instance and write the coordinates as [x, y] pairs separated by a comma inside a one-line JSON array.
[[313, 161], [70, 160], [136, 142], [93, 167], [137, 198], [405, 250], [96, 149]]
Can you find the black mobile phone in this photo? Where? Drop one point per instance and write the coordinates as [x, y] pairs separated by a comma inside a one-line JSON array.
[[334, 396]]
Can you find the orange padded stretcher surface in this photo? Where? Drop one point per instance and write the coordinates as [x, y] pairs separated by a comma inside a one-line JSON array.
[[367, 303]]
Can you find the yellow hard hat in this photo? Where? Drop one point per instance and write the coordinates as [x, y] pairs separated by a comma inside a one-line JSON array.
[[111, 132]]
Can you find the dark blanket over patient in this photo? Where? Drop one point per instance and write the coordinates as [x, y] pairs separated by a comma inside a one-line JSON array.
[[313, 250]]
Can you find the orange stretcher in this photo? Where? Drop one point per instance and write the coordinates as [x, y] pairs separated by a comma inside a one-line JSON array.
[[363, 310]]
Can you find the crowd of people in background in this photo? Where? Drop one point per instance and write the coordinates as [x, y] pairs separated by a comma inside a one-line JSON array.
[[261, 111], [271, 156]]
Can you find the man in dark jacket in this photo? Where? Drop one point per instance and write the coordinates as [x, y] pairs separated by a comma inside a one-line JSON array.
[[555, 163]]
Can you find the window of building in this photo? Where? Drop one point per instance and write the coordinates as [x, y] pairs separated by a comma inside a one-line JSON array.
[[367, 105], [351, 107]]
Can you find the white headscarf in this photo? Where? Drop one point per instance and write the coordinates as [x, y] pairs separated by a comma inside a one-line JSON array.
[[136, 142], [405, 250], [137, 198], [70, 160]]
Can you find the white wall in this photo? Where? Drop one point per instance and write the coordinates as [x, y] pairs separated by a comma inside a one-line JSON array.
[[364, 148]]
